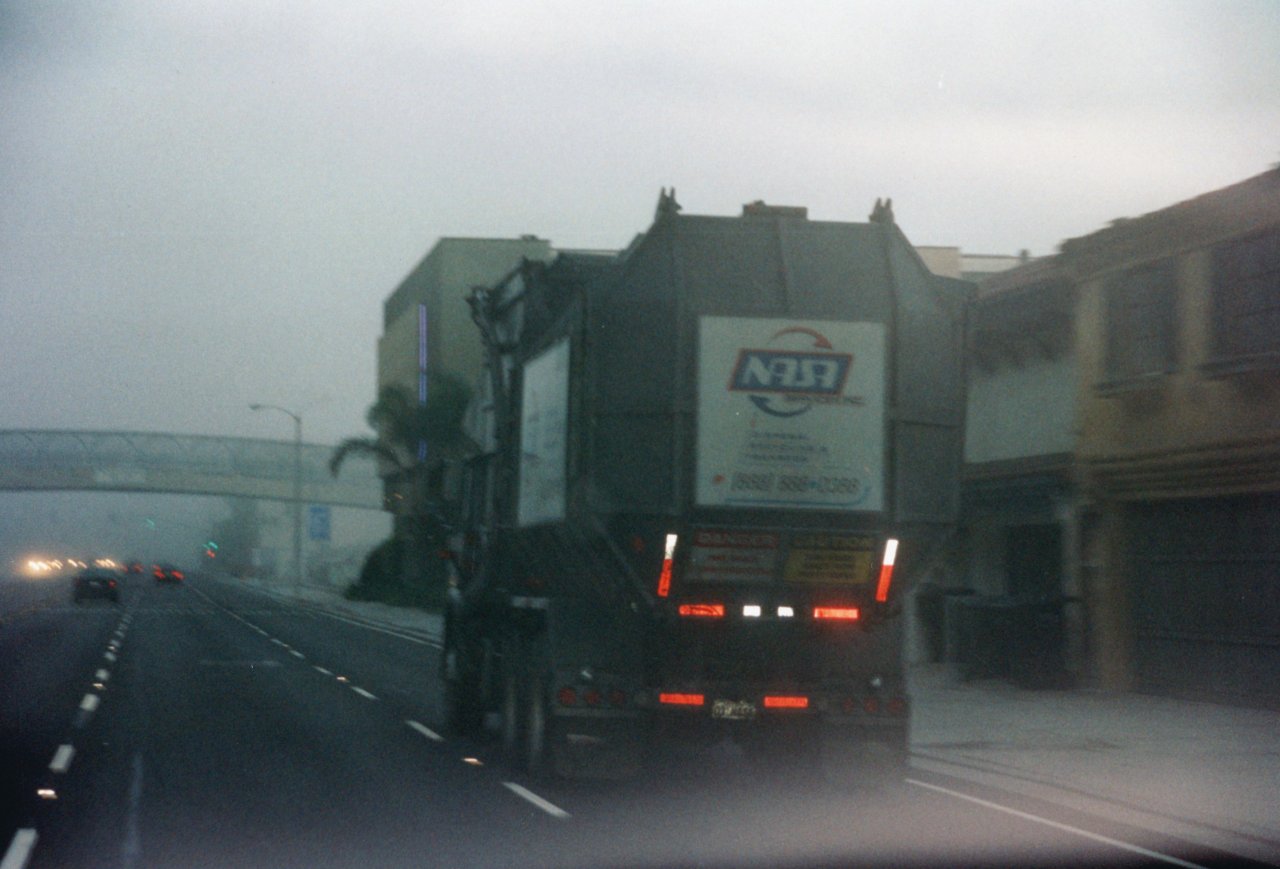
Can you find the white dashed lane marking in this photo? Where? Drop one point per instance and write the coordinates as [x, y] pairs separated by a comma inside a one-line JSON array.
[[62, 758], [19, 849], [425, 731], [548, 807]]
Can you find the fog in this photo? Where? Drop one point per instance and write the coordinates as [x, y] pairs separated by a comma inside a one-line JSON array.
[[204, 204]]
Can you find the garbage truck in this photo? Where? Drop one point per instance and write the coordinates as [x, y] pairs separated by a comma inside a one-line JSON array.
[[708, 468]]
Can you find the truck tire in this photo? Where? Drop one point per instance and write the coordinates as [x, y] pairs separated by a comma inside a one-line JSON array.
[[511, 709], [462, 712], [537, 726]]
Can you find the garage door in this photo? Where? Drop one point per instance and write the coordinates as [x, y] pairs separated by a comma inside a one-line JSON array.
[[1206, 599]]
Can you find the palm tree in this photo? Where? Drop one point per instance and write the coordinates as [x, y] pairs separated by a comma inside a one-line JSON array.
[[413, 442]]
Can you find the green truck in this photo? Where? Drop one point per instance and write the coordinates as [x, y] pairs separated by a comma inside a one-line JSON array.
[[710, 465]]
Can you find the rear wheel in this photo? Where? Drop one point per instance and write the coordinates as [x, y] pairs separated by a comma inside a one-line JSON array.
[[462, 712], [537, 759], [510, 700]]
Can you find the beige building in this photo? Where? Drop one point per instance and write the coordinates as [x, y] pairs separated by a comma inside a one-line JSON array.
[[1122, 458], [426, 322], [1178, 335], [952, 262]]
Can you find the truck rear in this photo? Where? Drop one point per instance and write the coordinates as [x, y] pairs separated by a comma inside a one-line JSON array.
[[710, 465]]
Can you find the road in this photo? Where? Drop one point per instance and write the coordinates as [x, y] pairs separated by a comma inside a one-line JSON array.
[[208, 725]]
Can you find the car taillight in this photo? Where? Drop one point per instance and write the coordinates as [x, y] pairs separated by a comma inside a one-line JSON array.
[[786, 701], [702, 610], [840, 613], [886, 570], [677, 699], [668, 556]]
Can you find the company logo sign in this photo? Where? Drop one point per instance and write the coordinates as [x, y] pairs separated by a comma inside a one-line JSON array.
[[782, 381]]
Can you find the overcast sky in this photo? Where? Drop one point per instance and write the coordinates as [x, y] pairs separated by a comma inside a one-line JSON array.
[[203, 204]]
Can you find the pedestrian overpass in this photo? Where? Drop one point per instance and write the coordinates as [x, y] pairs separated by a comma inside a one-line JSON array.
[[116, 461]]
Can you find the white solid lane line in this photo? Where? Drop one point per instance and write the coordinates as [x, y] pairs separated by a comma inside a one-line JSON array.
[[102, 675], [89, 703], [110, 656], [550, 808], [62, 758], [363, 693], [425, 731], [1066, 828], [380, 629], [19, 849]]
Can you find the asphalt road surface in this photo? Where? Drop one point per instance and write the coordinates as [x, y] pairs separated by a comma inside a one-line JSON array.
[[205, 725]]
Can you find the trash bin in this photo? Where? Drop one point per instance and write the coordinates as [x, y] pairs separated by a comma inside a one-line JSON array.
[[1038, 643], [931, 617], [987, 629], [955, 624], [1003, 637]]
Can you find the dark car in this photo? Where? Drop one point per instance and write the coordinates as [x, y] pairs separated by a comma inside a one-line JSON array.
[[167, 573], [96, 582]]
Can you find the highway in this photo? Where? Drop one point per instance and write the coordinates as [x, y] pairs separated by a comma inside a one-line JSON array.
[[208, 725]]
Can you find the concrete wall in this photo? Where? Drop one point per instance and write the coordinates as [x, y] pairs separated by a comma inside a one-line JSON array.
[[1020, 411], [1185, 409], [442, 281]]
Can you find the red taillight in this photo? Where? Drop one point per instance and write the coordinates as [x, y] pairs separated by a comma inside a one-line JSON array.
[[682, 699], [617, 698], [668, 557], [786, 701], [592, 697], [177, 574], [702, 610], [846, 613], [886, 570], [567, 697], [896, 706], [871, 706]]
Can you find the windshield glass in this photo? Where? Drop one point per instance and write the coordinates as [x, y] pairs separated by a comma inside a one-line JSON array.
[[639, 433]]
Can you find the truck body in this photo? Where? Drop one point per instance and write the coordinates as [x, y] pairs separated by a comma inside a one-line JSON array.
[[708, 467]]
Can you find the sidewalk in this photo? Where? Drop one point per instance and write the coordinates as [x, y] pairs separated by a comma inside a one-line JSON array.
[[420, 623], [1206, 773], [1202, 772]]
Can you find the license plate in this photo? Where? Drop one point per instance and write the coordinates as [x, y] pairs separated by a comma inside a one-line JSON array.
[[734, 710]]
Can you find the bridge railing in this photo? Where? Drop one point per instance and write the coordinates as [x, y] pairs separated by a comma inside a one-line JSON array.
[[61, 459]]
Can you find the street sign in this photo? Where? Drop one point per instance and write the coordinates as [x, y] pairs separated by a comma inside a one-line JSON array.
[[318, 522]]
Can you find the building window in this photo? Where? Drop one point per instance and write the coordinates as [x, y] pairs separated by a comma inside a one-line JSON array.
[[1140, 325], [1246, 299]]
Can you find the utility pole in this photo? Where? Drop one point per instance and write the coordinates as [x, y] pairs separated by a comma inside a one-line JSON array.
[[297, 488]]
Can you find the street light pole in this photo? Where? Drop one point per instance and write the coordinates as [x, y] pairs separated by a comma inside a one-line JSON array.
[[297, 488]]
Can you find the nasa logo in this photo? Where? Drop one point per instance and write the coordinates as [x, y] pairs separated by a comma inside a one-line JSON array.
[[783, 382]]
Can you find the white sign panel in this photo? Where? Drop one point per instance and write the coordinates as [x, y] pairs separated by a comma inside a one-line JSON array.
[[791, 414], [544, 422]]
